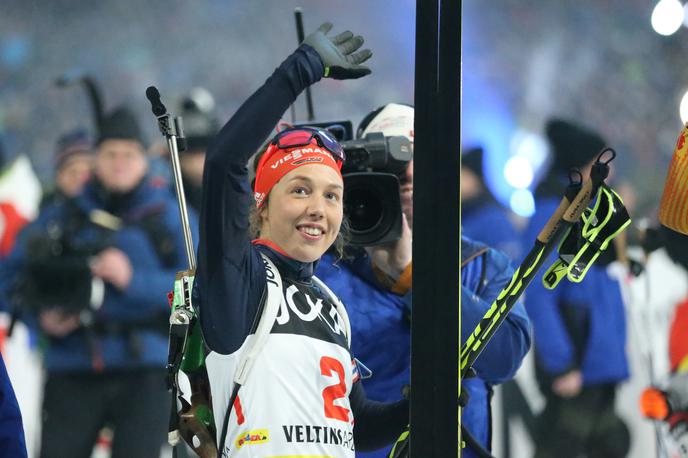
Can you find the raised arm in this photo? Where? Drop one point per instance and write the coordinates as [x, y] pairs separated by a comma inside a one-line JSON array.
[[230, 277]]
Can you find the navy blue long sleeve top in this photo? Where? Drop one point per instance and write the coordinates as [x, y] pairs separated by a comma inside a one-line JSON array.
[[230, 278]]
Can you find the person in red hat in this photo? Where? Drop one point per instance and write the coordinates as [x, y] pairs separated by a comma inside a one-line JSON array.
[[282, 376]]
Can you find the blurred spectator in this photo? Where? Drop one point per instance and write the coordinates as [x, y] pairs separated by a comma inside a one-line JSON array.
[[20, 193], [200, 126], [579, 329], [669, 404], [376, 285], [653, 295], [482, 217], [73, 166], [95, 270], [667, 398], [197, 110]]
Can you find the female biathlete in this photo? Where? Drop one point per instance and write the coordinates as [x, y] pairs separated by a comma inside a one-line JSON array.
[[292, 390]]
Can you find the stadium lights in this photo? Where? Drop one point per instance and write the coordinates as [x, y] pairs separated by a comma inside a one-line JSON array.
[[518, 172], [667, 17], [683, 108], [522, 202]]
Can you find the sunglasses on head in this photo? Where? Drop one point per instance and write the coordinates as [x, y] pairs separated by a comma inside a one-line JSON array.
[[303, 136]]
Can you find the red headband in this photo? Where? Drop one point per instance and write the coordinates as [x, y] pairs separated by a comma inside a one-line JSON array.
[[277, 162]]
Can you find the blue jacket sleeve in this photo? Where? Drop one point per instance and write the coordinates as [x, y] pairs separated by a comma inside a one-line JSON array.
[[502, 356], [231, 276], [554, 348], [12, 441], [150, 282]]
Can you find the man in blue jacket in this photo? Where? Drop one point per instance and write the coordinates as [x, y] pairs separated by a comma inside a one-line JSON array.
[[95, 270], [580, 330], [376, 286], [483, 218]]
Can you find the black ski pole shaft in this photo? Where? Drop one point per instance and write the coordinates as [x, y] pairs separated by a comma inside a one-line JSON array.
[[555, 228], [298, 16], [92, 90], [95, 98], [171, 128], [569, 211], [182, 317]]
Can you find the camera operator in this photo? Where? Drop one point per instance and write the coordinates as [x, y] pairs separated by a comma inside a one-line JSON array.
[[376, 283], [95, 270]]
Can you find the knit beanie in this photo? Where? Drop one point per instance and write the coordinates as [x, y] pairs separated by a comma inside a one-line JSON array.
[[571, 145], [71, 144], [120, 124]]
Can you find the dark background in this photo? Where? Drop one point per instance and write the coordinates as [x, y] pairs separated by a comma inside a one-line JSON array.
[[524, 60]]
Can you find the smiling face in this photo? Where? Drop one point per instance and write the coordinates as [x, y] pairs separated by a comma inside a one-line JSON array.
[[304, 212]]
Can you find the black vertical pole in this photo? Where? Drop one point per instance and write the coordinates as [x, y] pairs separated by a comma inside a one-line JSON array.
[[300, 35], [435, 328]]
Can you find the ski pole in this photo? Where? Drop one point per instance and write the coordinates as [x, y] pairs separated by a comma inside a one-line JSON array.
[[576, 199], [183, 313], [172, 129], [182, 310], [298, 17], [92, 90], [186, 348]]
